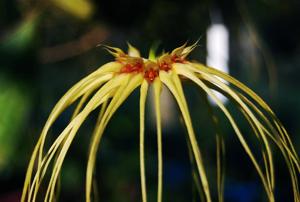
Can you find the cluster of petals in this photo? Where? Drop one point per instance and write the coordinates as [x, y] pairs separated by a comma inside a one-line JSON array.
[[110, 85]]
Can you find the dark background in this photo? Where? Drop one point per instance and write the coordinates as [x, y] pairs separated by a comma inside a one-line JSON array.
[[46, 47]]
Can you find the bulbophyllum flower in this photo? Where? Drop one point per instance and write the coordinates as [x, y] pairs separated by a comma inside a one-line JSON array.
[[110, 85]]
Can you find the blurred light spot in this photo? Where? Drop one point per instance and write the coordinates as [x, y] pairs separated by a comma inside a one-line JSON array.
[[218, 50]]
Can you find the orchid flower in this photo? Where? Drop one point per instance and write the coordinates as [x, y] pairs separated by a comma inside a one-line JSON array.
[[110, 85]]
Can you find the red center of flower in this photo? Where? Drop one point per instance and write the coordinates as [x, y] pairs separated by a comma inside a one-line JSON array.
[[149, 69], [177, 59], [165, 66], [129, 68], [150, 74]]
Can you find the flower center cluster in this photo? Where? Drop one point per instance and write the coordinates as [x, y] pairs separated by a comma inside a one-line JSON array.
[[148, 68], [132, 62]]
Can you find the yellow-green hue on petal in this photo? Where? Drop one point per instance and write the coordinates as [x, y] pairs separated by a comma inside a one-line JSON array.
[[171, 80], [157, 92], [133, 51], [143, 96]]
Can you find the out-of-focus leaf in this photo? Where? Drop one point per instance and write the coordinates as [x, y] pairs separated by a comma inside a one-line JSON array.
[[14, 109], [82, 9], [19, 40]]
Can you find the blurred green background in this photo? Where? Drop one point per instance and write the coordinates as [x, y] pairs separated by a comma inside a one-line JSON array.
[[47, 46]]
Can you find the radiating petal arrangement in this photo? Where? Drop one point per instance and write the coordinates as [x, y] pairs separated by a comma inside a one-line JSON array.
[[110, 85]]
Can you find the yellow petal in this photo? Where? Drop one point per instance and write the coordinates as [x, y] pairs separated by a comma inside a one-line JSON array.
[[117, 100], [182, 70], [157, 92], [172, 81], [143, 96], [132, 51]]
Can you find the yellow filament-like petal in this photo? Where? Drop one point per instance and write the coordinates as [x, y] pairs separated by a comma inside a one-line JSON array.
[[55, 146], [248, 112], [74, 124], [157, 92], [81, 103], [116, 96], [134, 82], [284, 143], [93, 103], [220, 145], [220, 150], [60, 106], [195, 173], [100, 115], [286, 152], [172, 81], [288, 155], [275, 131], [201, 68], [185, 72], [143, 96], [99, 126]]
